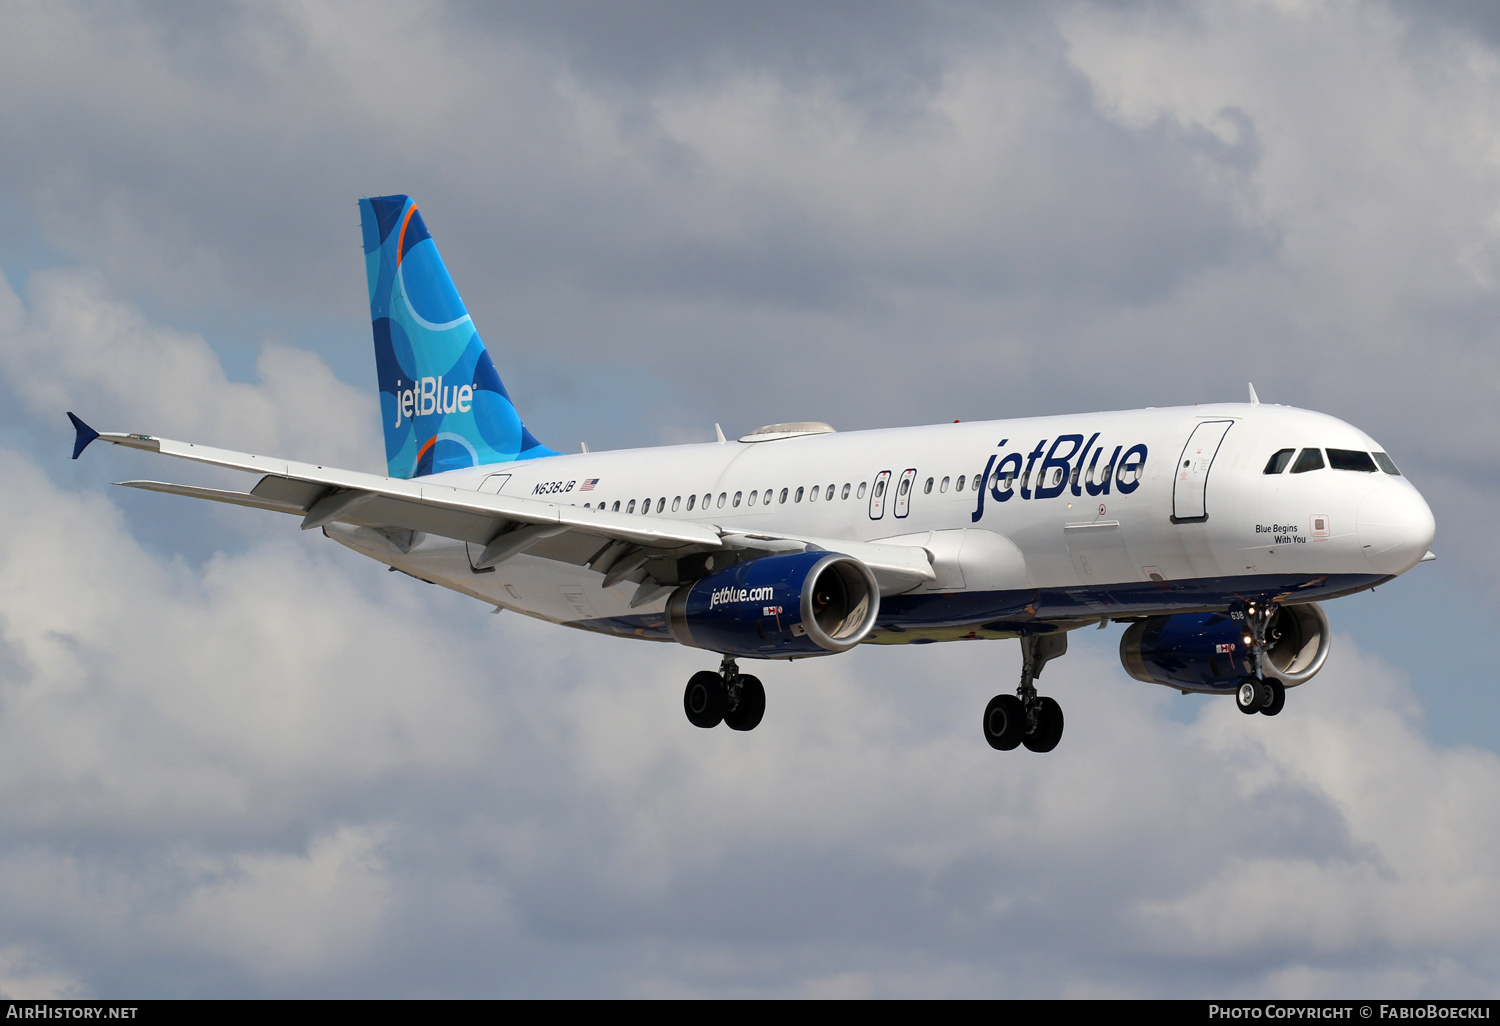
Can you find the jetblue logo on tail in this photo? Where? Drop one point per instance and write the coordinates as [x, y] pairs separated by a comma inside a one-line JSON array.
[[429, 396]]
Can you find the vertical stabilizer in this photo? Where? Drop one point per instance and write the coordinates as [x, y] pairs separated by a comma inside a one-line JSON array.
[[442, 404]]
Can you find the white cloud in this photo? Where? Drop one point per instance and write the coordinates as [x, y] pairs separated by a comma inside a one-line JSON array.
[[23, 975], [71, 346]]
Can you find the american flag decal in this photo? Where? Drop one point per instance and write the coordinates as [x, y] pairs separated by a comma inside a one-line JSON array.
[[588, 485]]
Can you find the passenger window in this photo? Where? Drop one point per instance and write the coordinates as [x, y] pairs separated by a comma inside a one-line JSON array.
[[692, 501], [661, 504], [631, 507], [958, 485], [974, 485], [676, 502], [1311, 459], [783, 495], [750, 499], [1387, 464], [861, 493], [707, 498], [927, 488], [722, 497], [1351, 459], [845, 493], [943, 487], [616, 507], [905, 485], [879, 488], [812, 494], [737, 497], [1277, 463], [829, 494], [798, 496]]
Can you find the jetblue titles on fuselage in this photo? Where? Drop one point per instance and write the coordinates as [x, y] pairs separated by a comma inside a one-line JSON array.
[[1075, 469]]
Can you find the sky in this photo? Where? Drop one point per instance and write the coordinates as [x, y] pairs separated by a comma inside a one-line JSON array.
[[239, 760]]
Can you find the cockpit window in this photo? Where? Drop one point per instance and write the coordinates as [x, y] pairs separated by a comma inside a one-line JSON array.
[[1351, 459], [1277, 463], [1311, 459], [1387, 464]]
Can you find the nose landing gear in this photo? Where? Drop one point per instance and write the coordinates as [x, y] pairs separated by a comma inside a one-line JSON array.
[[735, 699], [1260, 693], [1027, 718]]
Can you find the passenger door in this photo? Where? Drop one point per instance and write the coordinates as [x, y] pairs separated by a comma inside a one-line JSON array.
[[877, 494], [1190, 483], [903, 493]]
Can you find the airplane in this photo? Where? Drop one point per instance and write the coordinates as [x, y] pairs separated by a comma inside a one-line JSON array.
[[1213, 532]]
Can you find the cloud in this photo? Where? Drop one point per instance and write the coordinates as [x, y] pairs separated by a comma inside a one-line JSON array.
[[72, 346]]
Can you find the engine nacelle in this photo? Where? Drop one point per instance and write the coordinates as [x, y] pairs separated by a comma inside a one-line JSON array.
[[777, 607], [1207, 651]]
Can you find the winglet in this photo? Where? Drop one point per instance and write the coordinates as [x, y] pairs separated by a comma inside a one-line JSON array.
[[85, 435], [1254, 399]]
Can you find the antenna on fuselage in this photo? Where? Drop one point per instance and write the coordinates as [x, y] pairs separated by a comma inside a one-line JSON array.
[[1254, 399], [720, 432]]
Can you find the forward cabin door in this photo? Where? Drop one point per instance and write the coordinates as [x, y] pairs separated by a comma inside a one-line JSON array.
[[1190, 486], [877, 494]]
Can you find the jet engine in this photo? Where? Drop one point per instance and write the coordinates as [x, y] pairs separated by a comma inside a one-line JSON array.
[[777, 607], [1207, 651]]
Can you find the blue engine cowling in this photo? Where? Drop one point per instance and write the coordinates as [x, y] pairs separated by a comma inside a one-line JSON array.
[[1207, 651], [778, 607]]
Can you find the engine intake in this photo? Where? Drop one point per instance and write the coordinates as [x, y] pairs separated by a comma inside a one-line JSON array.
[[807, 603]]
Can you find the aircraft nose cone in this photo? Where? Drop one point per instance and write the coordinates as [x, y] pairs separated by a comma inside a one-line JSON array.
[[1395, 527]]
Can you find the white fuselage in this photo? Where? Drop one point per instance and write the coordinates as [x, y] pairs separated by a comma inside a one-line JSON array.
[[1126, 519]]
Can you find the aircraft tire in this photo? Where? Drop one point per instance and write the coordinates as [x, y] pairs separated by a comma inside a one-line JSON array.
[[1004, 722], [1250, 696], [1275, 697], [705, 699], [1049, 726], [752, 705]]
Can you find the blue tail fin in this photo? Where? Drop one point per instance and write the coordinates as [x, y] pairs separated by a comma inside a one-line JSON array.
[[441, 401]]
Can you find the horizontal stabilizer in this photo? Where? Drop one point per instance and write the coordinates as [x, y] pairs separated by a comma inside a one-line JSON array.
[[214, 495]]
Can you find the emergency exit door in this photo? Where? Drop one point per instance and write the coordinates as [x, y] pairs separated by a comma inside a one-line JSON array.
[[1190, 484]]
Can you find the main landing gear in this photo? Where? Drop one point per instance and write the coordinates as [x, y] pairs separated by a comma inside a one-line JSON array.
[[1027, 718], [730, 697], [1259, 693]]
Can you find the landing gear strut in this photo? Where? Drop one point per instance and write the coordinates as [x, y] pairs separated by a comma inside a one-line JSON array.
[[1259, 693], [730, 697], [1027, 718]]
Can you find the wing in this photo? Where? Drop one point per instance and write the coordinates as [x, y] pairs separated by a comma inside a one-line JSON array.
[[616, 544]]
